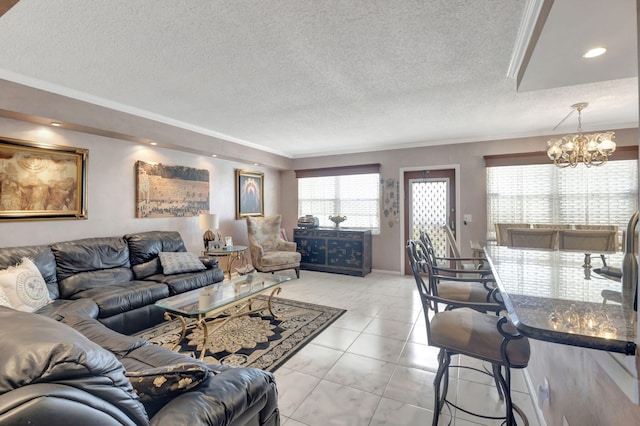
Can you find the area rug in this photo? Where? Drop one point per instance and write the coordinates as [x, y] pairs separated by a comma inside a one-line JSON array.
[[257, 340]]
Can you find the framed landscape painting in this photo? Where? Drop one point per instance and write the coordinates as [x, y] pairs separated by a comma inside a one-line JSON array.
[[42, 182], [249, 194], [171, 191]]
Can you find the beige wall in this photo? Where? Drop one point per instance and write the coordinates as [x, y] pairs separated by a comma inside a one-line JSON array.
[[387, 246], [111, 190]]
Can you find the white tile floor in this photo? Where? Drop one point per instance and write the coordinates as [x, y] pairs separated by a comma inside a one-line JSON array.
[[373, 366]]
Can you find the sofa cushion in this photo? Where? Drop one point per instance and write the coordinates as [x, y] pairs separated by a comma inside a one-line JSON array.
[[61, 308], [43, 350], [167, 381], [91, 279], [180, 262], [180, 283], [118, 298], [90, 254], [145, 246], [23, 286], [41, 256], [118, 344]]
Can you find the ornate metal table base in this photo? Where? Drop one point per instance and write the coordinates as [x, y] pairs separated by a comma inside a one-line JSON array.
[[246, 308]]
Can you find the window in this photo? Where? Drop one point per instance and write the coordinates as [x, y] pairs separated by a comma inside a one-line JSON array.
[[543, 193], [356, 196]]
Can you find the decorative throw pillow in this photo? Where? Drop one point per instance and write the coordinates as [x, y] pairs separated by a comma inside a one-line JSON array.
[[4, 300], [167, 381], [24, 286], [179, 262]]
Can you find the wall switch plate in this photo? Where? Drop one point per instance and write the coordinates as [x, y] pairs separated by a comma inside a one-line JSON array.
[[467, 218]]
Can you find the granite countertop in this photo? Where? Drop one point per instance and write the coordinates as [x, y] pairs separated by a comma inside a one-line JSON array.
[[550, 296]]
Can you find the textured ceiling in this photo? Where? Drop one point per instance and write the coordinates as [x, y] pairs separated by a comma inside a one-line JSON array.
[[306, 77]]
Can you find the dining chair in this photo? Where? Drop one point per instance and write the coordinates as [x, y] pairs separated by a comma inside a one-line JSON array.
[[550, 226], [502, 239], [533, 238], [461, 263], [589, 241], [464, 329], [458, 261]]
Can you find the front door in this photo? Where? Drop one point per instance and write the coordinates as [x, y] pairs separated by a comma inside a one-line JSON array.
[[429, 205]]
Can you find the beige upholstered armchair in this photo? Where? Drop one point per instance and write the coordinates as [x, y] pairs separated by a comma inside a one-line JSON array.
[[269, 252]]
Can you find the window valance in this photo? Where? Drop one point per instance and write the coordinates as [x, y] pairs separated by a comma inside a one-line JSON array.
[[360, 169]]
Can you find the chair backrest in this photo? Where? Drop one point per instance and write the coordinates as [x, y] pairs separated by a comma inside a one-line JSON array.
[[264, 231], [550, 226], [453, 244], [533, 238], [427, 245], [502, 236], [424, 289], [588, 240]]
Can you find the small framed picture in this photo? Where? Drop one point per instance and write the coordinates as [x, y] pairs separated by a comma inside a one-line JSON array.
[[228, 241]]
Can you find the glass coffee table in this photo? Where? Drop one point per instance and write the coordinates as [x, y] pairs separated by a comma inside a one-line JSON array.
[[205, 304]]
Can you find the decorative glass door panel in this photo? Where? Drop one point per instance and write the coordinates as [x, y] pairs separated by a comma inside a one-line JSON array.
[[429, 206], [429, 211]]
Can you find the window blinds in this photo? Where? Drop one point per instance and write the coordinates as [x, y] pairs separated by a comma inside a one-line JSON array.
[[606, 195], [356, 196]]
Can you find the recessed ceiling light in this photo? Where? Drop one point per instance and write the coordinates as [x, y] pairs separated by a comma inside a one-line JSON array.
[[256, 164], [592, 53], [214, 155], [154, 143], [56, 124]]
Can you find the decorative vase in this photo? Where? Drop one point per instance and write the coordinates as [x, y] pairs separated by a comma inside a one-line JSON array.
[[337, 220]]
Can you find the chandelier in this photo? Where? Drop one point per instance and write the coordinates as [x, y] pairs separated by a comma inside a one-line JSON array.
[[591, 149]]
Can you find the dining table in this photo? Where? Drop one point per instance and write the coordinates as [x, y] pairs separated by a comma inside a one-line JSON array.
[[551, 295]]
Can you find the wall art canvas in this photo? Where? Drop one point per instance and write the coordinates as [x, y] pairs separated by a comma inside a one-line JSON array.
[[42, 182], [249, 194], [171, 191]]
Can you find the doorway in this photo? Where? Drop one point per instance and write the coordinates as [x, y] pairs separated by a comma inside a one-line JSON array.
[[429, 205]]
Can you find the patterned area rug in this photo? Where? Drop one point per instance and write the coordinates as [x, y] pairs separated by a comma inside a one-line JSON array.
[[257, 340]]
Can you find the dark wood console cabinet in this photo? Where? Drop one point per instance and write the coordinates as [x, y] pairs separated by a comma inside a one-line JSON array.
[[338, 250]]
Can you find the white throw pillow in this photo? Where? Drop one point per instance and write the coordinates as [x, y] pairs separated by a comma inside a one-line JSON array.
[[4, 301], [24, 286]]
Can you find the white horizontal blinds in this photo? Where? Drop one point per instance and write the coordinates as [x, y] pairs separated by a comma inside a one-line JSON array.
[[354, 196], [351, 191], [606, 195]]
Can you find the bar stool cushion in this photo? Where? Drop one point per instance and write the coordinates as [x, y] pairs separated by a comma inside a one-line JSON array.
[[475, 334]]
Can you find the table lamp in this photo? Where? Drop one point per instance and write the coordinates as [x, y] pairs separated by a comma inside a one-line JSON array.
[[209, 221]]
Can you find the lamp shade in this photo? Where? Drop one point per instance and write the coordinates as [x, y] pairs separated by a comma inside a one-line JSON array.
[[208, 221]]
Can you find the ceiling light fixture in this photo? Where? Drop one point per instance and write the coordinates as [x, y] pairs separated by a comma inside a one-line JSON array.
[[591, 149], [592, 53], [56, 124], [154, 143]]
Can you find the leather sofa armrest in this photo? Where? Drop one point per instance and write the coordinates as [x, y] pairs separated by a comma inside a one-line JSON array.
[[60, 405], [225, 397], [209, 261]]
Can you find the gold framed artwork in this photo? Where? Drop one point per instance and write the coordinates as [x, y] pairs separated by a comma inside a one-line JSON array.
[[170, 191], [42, 182], [249, 193]]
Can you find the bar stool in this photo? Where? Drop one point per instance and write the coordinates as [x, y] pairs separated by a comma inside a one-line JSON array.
[[463, 329]]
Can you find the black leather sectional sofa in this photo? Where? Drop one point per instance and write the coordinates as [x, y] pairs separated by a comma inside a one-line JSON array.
[[73, 361]]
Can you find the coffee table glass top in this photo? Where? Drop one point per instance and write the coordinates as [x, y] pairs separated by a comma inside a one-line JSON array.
[[223, 294]]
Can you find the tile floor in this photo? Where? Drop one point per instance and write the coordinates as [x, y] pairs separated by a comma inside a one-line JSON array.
[[373, 366]]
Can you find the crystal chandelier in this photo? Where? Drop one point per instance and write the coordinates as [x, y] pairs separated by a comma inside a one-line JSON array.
[[591, 149]]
